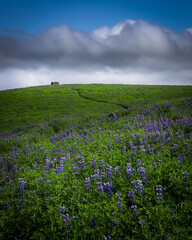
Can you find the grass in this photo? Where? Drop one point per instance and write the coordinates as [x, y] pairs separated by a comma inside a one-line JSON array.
[[21, 107], [71, 172]]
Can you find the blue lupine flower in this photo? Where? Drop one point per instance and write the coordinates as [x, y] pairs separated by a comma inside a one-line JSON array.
[[21, 186], [180, 158], [115, 223], [40, 179], [94, 162], [124, 148], [108, 187], [117, 170], [159, 192], [131, 195], [100, 187], [62, 209], [82, 163], [48, 182], [129, 171], [120, 205], [137, 185], [109, 171], [185, 175], [102, 165], [87, 181], [134, 209]]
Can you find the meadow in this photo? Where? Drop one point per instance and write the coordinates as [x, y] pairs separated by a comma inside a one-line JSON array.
[[68, 171]]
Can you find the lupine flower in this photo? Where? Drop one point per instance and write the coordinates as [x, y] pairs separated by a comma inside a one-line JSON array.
[[62, 209], [129, 171], [87, 181], [94, 162], [40, 179], [108, 187], [180, 158], [142, 222], [141, 170], [185, 175], [66, 219], [134, 209], [159, 192], [109, 171], [48, 182], [117, 170], [15, 168], [137, 185], [82, 163], [124, 148], [131, 195], [115, 223], [120, 205], [100, 187], [102, 165], [21, 186]]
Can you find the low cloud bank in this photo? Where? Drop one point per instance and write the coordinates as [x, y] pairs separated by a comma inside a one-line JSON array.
[[131, 52]]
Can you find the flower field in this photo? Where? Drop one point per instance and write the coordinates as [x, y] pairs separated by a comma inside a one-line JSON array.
[[83, 177]]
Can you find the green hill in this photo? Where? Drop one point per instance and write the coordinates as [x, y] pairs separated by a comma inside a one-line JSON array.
[[22, 107]]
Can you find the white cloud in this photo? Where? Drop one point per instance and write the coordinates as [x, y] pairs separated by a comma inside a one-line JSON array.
[[130, 52]]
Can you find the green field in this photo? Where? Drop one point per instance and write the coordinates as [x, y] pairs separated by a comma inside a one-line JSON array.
[[22, 107], [68, 171]]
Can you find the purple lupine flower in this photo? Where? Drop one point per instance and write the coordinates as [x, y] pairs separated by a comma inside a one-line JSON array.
[[115, 223], [62, 209], [108, 187], [66, 219], [109, 171], [141, 170], [103, 174], [139, 162], [138, 186], [102, 165], [134, 209], [180, 158], [124, 148], [117, 170], [82, 163], [159, 192], [129, 171], [185, 175], [142, 222], [48, 182], [87, 181], [94, 162], [61, 166], [15, 168], [120, 205], [21, 186], [100, 187], [131, 195], [106, 149], [40, 179]]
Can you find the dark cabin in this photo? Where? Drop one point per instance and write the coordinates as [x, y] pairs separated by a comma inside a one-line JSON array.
[[54, 83]]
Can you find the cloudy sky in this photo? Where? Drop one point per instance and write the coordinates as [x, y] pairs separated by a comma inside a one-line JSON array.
[[103, 41]]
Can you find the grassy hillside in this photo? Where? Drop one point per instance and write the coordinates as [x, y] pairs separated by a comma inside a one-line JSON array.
[[22, 107], [92, 177]]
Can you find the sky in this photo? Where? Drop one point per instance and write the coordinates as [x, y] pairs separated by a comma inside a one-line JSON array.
[[103, 41]]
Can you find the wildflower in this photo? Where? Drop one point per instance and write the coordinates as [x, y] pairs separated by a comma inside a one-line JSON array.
[[100, 187], [21, 186], [134, 209], [131, 195], [185, 175], [48, 182], [180, 158], [40, 179], [115, 223], [117, 170], [106, 149], [109, 171], [120, 204], [124, 148], [94, 162], [102, 164], [82, 163], [87, 182], [108, 187], [137, 185], [62, 209], [159, 192], [129, 170]]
